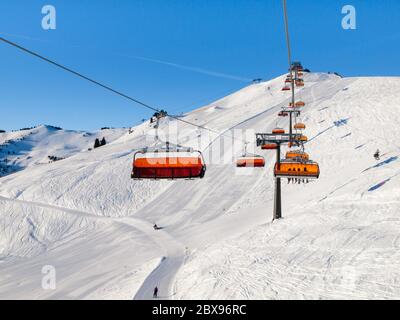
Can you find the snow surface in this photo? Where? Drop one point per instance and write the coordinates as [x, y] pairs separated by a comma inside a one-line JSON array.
[[339, 237]]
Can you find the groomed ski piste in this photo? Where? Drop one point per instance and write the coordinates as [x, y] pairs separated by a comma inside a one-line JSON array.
[[338, 239]]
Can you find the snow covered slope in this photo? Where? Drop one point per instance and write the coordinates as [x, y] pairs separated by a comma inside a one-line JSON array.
[[338, 239]]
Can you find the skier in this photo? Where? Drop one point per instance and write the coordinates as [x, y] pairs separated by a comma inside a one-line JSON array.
[[376, 155], [156, 227], [155, 292]]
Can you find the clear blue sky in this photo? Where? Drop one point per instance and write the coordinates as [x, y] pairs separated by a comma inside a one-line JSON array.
[[116, 41]]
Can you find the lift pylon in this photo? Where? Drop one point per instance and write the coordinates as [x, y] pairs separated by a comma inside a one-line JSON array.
[[277, 139]]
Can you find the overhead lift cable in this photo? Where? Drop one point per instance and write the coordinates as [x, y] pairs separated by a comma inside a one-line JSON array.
[[289, 61], [80, 75]]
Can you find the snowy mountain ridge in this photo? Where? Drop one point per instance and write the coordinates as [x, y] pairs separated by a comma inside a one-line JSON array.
[[44, 144]]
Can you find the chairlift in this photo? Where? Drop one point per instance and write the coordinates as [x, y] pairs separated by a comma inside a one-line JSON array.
[[297, 168], [168, 162], [278, 131], [297, 104], [297, 154], [299, 126], [282, 114], [269, 146], [302, 138], [254, 161], [250, 160]]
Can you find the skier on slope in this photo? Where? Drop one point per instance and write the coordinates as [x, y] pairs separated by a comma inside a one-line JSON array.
[[155, 292], [156, 227], [376, 155]]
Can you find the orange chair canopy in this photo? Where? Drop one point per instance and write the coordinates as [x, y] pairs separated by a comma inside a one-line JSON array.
[[167, 166], [278, 131], [302, 138], [269, 146], [168, 162], [297, 154], [255, 162], [300, 126], [297, 104], [297, 169]]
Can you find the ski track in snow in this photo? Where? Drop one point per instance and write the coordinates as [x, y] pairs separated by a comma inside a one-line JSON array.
[[170, 263], [163, 275]]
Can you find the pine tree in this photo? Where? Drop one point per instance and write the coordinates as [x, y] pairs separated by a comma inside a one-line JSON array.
[[103, 142], [96, 143]]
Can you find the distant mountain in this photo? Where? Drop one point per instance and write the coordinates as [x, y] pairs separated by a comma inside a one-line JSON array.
[[45, 144]]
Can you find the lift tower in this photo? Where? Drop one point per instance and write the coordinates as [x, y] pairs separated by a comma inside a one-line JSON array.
[[278, 139]]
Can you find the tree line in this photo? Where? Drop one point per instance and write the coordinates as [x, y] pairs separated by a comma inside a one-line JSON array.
[[99, 143]]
